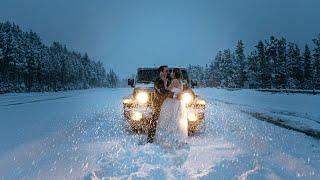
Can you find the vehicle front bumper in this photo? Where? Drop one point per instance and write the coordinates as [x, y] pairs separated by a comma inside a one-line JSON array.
[[142, 123], [147, 115]]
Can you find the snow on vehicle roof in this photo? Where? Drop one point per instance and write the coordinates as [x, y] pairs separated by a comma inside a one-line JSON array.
[[156, 68]]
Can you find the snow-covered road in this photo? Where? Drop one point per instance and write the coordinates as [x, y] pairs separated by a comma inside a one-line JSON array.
[[79, 134]]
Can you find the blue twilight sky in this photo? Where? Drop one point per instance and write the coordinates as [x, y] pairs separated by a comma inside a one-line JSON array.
[[126, 34]]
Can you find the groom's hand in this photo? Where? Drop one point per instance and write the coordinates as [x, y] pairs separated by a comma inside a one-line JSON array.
[[157, 89]]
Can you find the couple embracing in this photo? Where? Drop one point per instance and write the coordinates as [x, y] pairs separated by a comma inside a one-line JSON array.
[[169, 125]]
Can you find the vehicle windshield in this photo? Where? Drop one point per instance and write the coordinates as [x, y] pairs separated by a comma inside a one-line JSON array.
[[150, 75]]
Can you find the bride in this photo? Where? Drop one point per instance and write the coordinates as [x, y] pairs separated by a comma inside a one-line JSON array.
[[172, 129]]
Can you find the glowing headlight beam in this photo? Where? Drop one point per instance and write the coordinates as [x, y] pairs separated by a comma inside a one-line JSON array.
[[187, 98], [136, 116], [142, 97], [192, 116]]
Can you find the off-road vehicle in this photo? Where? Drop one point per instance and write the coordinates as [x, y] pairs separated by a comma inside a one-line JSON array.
[[137, 107]]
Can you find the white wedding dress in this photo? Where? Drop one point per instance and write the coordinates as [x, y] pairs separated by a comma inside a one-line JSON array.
[[172, 128]]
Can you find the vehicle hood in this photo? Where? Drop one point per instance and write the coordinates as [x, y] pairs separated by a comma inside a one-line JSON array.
[[144, 86]]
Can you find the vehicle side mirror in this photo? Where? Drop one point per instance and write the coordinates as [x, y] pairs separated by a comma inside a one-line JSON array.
[[131, 82], [194, 83]]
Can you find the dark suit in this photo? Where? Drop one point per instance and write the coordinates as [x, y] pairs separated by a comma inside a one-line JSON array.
[[160, 94]]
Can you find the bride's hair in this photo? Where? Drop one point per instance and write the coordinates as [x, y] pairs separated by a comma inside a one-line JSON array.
[[177, 73]]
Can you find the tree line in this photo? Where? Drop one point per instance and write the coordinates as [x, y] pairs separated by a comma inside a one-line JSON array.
[[272, 64], [27, 64]]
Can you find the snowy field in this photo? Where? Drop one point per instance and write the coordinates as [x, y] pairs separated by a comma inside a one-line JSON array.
[[80, 135]]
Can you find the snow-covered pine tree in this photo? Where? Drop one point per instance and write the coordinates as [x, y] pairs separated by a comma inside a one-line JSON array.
[[239, 65], [271, 56], [86, 65], [56, 54], [212, 74], [33, 58], [192, 72], [201, 78], [16, 59], [1, 55], [227, 69], [253, 69], [65, 66], [101, 75], [72, 72], [316, 56], [207, 76], [45, 69], [196, 72], [112, 79], [295, 67], [281, 78], [1, 67], [26, 60], [300, 70], [5, 46], [77, 70], [308, 71], [264, 72], [218, 70], [291, 66]]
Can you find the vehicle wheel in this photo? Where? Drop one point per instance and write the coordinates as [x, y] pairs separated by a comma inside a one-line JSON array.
[[138, 130], [135, 130], [198, 131], [191, 132]]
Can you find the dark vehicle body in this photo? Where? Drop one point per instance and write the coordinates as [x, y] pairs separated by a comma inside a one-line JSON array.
[[137, 107]]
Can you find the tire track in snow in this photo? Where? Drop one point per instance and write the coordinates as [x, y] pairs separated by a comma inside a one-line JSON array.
[[280, 122], [38, 100]]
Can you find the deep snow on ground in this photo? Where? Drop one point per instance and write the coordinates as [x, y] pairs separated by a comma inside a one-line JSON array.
[[298, 111], [80, 134]]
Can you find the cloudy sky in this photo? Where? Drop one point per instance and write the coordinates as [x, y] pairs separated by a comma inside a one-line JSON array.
[[126, 34]]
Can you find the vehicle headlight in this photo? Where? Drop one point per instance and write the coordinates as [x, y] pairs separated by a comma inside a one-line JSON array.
[[142, 97], [136, 116], [192, 116], [187, 98]]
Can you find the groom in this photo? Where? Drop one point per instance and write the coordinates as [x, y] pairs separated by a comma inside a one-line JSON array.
[[160, 94]]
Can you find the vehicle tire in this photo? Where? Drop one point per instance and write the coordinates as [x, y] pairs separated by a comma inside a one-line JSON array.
[[134, 130], [191, 132]]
